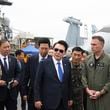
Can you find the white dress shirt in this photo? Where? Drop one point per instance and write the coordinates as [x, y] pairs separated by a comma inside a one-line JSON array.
[[56, 66], [40, 57], [2, 60]]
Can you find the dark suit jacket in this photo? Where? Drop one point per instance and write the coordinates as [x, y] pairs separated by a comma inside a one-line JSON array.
[[48, 88], [22, 67], [31, 69], [13, 73]]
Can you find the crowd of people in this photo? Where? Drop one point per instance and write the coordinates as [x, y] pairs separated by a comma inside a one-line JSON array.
[[50, 80]]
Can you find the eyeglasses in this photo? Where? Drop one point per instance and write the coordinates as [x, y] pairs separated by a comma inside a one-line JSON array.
[[60, 50]]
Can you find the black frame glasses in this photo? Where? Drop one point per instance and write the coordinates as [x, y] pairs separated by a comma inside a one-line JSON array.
[[60, 50]]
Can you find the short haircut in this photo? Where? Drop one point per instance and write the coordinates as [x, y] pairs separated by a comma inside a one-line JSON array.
[[77, 49], [86, 52], [18, 52], [44, 40], [62, 42], [100, 38], [3, 41]]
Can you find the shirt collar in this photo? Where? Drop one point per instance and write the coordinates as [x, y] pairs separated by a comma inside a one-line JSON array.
[[56, 61], [40, 57], [1, 56]]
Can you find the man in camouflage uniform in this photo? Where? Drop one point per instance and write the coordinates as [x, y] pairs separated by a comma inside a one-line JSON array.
[[77, 87]]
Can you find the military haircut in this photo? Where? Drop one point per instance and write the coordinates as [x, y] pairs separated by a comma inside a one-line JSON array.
[[77, 49], [100, 38]]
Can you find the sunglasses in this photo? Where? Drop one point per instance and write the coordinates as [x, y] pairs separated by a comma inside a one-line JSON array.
[[60, 50]]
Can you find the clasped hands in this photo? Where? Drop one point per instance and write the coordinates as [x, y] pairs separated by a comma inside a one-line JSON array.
[[14, 83], [93, 94]]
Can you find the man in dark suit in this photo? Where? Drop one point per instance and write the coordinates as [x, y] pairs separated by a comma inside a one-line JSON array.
[[31, 68], [20, 59], [52, 89], [9, 77]]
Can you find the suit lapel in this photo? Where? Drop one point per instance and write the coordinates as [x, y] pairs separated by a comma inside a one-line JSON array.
[[53, 69], [64, 68], [9, 62], [1, 69], [1, 63]]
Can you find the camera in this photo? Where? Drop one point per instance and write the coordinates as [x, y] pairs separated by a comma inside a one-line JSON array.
[[9, 85]]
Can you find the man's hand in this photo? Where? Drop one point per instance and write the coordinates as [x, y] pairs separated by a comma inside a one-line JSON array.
[[15, 83], [25, 97], [38, 105], [90, 92], [96, 95], [2, 83], [70, 103]]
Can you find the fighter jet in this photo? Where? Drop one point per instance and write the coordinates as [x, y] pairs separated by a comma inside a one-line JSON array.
[[5, 2]]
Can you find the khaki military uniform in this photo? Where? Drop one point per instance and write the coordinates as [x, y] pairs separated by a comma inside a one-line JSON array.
[[96, 76]]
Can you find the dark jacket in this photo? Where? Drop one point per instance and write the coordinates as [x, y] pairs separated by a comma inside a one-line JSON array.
[[48, 87], [31, 69], [13, 73]]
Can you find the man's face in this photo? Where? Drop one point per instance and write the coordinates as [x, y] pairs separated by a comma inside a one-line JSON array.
[[5, 48], [50, 52], [21, 56], [96, 46], [76, 57], [84, 56], [43, 49], [59, 51]]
